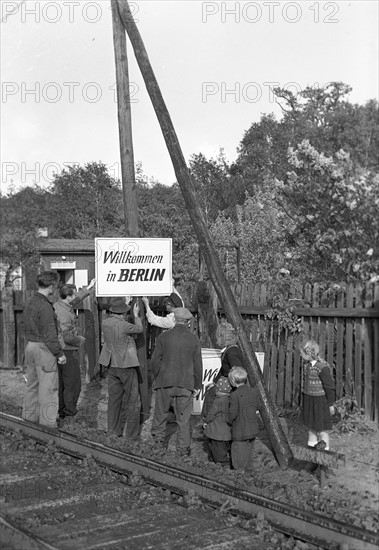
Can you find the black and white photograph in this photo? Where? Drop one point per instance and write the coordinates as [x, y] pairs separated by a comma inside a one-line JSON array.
[[189, 275]]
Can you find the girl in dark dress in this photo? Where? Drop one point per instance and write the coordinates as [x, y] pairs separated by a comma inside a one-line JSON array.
[[318, 395]]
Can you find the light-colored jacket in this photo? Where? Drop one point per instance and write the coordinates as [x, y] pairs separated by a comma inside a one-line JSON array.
[[68, 330], [119, 349]]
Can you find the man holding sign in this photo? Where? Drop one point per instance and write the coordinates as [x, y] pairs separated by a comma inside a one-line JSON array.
[[120, 353]]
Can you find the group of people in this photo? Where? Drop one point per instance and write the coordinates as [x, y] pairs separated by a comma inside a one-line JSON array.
[[230, 405], [229, 413], [52, 352]]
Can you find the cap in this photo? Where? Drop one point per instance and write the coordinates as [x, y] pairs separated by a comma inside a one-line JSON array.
[[223, 385], [182, 313], [174, 300]]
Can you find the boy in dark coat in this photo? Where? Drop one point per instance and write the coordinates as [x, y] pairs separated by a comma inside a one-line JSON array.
[[243, 419], [216, 427]]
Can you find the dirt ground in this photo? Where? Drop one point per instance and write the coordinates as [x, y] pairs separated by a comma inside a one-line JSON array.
[[350, 492]]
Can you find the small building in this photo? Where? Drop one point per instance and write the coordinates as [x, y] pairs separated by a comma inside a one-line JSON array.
[[74, 259]]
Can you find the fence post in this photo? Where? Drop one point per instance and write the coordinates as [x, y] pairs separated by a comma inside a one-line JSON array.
[[9, 329]]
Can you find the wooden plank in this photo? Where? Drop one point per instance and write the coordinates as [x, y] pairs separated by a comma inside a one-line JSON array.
[[376, 356], [307, 320], [238, 292], [20, 338], [256, 299], [372, 313], [288, 391], [339, 374], [261, 318], [243, 300], [250, 294], [358, 353], [1, 332], [322, 324], [254, 331], [296, 361], [274, 362], [330, 332], [281, 372], [351, 292], [368, 364]]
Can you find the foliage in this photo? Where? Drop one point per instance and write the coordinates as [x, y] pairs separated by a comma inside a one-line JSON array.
[[334, 210], [257, 230], [162, 213], [351, 418], [301, 196], [211, 180], [22, 213], [85, 202]]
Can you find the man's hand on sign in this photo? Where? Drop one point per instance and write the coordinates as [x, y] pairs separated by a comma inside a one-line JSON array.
[[136, 309], [145, 300]]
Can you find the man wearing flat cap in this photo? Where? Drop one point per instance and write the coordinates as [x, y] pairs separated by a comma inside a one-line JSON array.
[[177, 369], [120, 353]]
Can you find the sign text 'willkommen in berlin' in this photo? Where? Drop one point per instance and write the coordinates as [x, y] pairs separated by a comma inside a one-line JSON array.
[[133, 267]]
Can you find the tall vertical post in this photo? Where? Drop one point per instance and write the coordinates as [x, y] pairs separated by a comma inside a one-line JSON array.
[[278, 439], [128, 176], [125, 124]]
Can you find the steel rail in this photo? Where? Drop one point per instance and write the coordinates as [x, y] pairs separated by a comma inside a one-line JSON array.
[[307, 526], [19, 538]]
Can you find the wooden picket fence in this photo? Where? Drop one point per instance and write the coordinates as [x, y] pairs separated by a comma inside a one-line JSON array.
[[344, 321]]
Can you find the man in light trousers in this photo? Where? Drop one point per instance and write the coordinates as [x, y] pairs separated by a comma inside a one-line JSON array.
[[42, 353]]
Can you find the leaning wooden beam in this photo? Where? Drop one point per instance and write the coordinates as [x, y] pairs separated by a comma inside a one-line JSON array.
[[278, 439]]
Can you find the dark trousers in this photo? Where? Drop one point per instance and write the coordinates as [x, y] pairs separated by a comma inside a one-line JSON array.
[[124, 403], [242, 454], [69, 384], [219, 451], [181, 400]]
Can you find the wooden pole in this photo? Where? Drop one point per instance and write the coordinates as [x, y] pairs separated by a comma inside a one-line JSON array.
[[125, 125], [278, 439], [128, 177], [9, 326]]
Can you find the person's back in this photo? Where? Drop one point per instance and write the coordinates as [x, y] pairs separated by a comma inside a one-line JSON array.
[[242, 417], [179, 351], [177, 368], [243, 413]]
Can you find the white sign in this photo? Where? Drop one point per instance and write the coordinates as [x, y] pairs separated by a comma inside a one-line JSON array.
[[133, 267]]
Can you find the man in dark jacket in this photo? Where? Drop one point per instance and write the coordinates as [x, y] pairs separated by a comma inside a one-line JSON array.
[[42, 353], [177, 368], [70, 340]]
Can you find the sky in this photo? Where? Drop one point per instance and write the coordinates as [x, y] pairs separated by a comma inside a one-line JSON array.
[[216, 64]]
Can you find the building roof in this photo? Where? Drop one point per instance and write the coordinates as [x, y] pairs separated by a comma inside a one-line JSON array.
[[69, 246]]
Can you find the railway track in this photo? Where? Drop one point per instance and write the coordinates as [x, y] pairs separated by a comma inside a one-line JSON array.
[[115, 500]]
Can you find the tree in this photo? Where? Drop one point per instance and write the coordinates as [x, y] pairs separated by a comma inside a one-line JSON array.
[[85, 202], [259, 233], [162, 214], [334, 209], [22, 214]]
